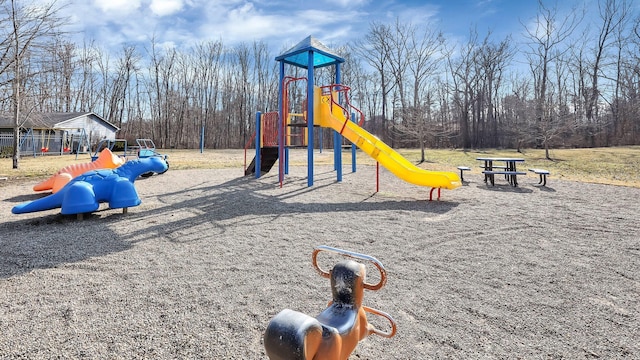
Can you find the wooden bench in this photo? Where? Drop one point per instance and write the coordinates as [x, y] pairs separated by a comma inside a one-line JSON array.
[[543, 175], [510, 175], [462, 170]]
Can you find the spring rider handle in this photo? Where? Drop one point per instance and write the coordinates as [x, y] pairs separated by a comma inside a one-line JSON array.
[[350, 254], [336, 331], [372, 330]]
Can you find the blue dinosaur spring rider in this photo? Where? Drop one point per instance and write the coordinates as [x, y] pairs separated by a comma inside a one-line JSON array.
[[84, 193]]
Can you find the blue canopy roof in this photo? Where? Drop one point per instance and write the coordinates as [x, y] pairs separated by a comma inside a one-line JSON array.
[[298, 55]]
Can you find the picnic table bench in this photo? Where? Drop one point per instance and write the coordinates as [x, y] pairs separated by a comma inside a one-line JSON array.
[[462, 170], [511, 176], [543, 175], [508, 169]]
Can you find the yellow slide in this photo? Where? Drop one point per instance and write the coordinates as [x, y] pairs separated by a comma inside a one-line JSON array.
[[381, 152]]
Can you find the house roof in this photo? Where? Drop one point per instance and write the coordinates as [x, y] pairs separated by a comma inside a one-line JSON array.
[[298, 55], [52, 120]]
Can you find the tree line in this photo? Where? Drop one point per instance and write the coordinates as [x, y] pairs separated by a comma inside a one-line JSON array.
[[569, 80]]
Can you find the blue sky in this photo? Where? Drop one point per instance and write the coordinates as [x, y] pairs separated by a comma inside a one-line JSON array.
[[282, 23]]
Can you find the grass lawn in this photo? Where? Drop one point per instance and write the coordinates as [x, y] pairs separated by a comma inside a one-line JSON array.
[[614, 165]]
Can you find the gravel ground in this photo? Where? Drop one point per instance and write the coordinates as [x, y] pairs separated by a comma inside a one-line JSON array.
[[209, 257]]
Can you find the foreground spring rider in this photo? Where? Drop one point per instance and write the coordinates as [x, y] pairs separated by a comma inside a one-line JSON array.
[[335, 332]]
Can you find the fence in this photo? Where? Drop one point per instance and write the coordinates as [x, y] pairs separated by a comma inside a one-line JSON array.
[[33, 145]]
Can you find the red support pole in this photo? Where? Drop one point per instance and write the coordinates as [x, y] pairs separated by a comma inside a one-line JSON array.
[[431, 194]]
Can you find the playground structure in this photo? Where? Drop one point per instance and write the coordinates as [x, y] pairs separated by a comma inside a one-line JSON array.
[[106, 160], [327, 107], [84, 193], [336, 331], [118, 147]]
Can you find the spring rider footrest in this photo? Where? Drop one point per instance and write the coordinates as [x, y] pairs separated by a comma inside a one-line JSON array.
[[336, 331]]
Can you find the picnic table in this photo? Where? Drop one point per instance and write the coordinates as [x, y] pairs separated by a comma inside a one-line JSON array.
[[504, 166]]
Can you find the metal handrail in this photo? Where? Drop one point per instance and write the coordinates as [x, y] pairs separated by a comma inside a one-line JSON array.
[[351, 254]]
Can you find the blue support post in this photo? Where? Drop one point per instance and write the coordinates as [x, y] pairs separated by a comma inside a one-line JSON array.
[[281, 126], [310, 118], [335, 153], [337, 139], [258, 164], [286, 160], [202, 140]]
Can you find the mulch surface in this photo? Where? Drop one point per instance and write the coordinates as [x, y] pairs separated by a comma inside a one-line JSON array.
[[209, 257]]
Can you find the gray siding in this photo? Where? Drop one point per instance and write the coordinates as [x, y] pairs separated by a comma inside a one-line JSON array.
[[95, 129]]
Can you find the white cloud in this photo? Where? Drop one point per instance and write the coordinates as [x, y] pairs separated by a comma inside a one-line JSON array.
[[119, 6], [244, 23], [166, 7], [182, 23], [348, 3], [324, 18]]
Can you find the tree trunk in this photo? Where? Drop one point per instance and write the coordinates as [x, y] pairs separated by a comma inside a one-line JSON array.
[[16, 118], [16, 126], [16, 93], [546, 151]]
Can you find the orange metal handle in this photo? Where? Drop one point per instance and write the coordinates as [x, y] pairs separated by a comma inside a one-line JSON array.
[[354, 255], [373, 330]]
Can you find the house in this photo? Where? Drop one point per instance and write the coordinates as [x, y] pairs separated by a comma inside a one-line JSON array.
[[56, 132]]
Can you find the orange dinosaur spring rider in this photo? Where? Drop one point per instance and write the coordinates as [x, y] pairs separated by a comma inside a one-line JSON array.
[[106, 160], [334, 333]]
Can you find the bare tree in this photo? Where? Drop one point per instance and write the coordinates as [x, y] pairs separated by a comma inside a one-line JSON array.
[[243, 58], [626, 103], [126, 67], [159, 85], [545, 40], [518, 110], [463, 77], [209, 63], [375, 49], [613, 15], [29, 28], [65, 63], [423, 55], [493, 59], [86, 85], [399, 57], [396, 66]]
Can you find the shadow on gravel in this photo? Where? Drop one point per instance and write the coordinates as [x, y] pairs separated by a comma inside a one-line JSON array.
[[545, 188], [52, 240], [248, 198], [27, 197], [505, 188]]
